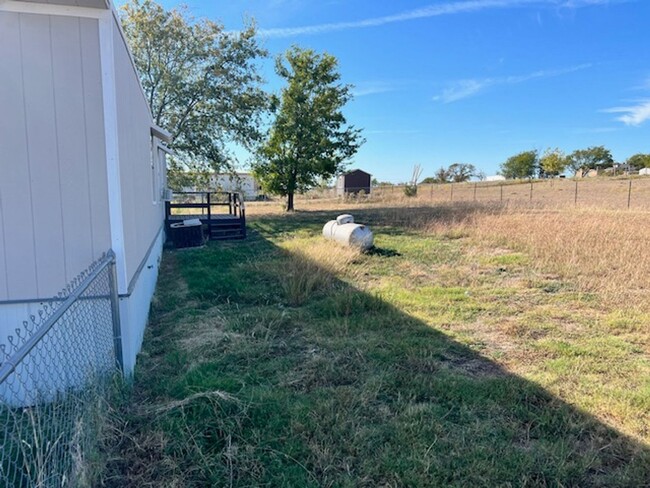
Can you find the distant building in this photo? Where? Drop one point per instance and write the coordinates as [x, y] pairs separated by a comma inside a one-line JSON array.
[[353, 182], [644, 172], [588, 173], [243, 183], [619, 169], [495, 178]]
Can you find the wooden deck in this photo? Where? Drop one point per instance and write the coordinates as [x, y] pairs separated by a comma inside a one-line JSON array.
[[222, 214]]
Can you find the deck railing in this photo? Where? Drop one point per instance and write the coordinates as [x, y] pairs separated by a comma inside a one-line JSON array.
[[201, 205], [205, 200]]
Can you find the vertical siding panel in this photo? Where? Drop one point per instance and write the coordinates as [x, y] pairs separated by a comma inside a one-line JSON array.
[[71, 132], [4, 282], [43, 158], [95, 142], [129, 131], [20, 273], [141, 225]]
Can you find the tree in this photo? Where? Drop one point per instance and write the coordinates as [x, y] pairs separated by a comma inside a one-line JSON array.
[[553, 162], [590, 158], [460, 172], [639, 161], [201, 83], [522, 165], [455, 173], [442, 175], [309, 138]]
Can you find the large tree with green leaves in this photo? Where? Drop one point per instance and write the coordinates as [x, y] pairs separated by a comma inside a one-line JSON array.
[[522, 165], [455, 173], [201, 83], [639, 161], [590, 158], [310, 138], [552, 163]]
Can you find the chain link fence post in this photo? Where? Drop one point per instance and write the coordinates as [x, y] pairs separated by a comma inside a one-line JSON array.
[[115, 313]]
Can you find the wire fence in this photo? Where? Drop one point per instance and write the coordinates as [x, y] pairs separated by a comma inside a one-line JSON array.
[[614, 193], [56, 373]]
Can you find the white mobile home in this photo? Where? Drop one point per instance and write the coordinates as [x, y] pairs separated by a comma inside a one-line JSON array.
[[243, 183], [495, 178], [81, 164]]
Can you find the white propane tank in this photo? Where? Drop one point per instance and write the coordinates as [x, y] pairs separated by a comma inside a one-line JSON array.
[[344, 231], [345, 219]]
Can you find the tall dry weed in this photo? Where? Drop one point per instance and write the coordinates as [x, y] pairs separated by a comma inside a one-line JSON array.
[[599, 250], [312, 268]]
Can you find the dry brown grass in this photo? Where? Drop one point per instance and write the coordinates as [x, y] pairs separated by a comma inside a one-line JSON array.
[[600, 245], [610, 193], [604, 193], [600, 251], [312, 268]]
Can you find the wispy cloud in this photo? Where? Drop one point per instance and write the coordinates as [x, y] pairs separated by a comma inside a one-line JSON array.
[[365, 88], [633, 115], [467, 88], [436, 10], [595, 130], [587, 3]]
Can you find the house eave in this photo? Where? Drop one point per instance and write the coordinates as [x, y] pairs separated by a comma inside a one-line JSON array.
[[160, 133]]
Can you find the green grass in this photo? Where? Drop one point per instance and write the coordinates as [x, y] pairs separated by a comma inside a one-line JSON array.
[[426, 362]]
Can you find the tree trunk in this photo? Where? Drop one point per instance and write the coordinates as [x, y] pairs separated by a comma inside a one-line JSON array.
[[290, 202]]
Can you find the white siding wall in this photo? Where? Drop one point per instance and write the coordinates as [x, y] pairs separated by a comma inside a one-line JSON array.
[[243, 183], [134, 309], [53, 195], [142, 216]]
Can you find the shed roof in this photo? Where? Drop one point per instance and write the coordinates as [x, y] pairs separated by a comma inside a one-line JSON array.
[[356, 171]]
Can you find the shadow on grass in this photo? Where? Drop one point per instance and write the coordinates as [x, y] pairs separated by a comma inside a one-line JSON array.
[[383, 252], [236, 388]]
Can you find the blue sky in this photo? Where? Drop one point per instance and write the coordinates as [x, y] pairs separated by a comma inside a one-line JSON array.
[[472, 81]]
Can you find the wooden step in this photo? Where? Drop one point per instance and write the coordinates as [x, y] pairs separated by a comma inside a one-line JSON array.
[[227, 232]]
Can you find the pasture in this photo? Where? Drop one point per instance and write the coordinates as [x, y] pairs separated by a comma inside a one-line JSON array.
[[476, 345]]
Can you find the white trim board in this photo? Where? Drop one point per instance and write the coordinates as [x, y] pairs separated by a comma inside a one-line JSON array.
[[109, 99], [51, 9]]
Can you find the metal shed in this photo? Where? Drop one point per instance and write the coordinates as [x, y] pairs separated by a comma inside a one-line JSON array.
[[353, 182]]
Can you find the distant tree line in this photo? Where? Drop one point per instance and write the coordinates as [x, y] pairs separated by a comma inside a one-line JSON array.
[[553, 162], [531, 164], [455, 173]]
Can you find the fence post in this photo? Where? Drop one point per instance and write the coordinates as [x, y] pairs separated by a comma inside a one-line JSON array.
[[475, 185], [575, 198], [501, 188], [451, 196], [115, 313], [629, 194], [531, 190], [432, 192]]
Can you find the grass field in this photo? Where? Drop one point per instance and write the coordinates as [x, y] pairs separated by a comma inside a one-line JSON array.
[[476, 345], [613, 193]]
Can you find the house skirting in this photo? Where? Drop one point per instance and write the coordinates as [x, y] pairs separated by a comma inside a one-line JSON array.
[[134, 307]]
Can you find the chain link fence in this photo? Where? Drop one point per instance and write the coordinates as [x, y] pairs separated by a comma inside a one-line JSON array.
[[56, 372]]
